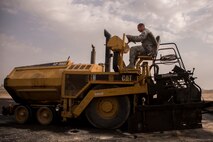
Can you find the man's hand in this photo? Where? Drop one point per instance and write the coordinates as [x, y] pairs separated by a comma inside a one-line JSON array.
[[129, 39]]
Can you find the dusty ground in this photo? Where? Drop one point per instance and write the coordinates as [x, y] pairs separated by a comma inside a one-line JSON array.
[[62, 132]]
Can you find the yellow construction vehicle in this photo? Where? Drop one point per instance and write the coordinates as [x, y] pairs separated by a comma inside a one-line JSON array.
[[143, 98]]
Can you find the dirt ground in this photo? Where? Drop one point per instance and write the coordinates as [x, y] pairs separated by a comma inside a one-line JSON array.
[[82, 131]]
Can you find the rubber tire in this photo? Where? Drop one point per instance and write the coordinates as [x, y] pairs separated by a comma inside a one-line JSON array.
[[51, 114], [109, 123], [28, 114]]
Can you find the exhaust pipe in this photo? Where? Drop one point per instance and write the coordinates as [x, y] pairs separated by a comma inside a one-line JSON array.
[[108, 54], [93, 55]]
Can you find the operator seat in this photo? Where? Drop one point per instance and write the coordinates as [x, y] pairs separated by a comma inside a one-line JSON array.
[[156, 49], [151, 56]]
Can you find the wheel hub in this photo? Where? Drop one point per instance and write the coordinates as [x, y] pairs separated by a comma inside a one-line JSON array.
[[107, 106], [22, 113], [45, 115]]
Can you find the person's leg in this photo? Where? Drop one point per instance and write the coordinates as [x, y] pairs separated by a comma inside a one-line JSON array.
[[132, 55], [149, 50]]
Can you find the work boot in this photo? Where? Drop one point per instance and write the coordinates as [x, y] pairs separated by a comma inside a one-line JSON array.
[[131, 64]]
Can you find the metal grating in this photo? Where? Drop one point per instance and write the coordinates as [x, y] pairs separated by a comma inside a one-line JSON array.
[[74, 83], [80, 67]]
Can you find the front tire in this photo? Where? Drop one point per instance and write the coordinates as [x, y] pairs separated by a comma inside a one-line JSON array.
[[108, 112]]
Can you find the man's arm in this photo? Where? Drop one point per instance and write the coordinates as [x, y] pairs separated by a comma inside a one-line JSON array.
[[139, 38], [132, 38]]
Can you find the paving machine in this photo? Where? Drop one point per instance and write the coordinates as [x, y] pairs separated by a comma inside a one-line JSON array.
[[143, 99]]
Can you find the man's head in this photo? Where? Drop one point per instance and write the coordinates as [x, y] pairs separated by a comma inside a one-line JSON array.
[[141, 27]]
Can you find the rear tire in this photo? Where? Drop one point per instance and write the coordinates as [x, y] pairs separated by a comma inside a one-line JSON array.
[[45, 115], [108, 112], [23, 114]]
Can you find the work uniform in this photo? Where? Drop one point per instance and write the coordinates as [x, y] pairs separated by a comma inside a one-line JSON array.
[[146, 49]]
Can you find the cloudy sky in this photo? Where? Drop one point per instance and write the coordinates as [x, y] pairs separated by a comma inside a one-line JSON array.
[[41, 31]]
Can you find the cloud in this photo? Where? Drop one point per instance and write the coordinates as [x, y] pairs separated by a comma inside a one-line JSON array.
[[15, 53], [79, 15], [208, 39], [10, 46], [11, 11]]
